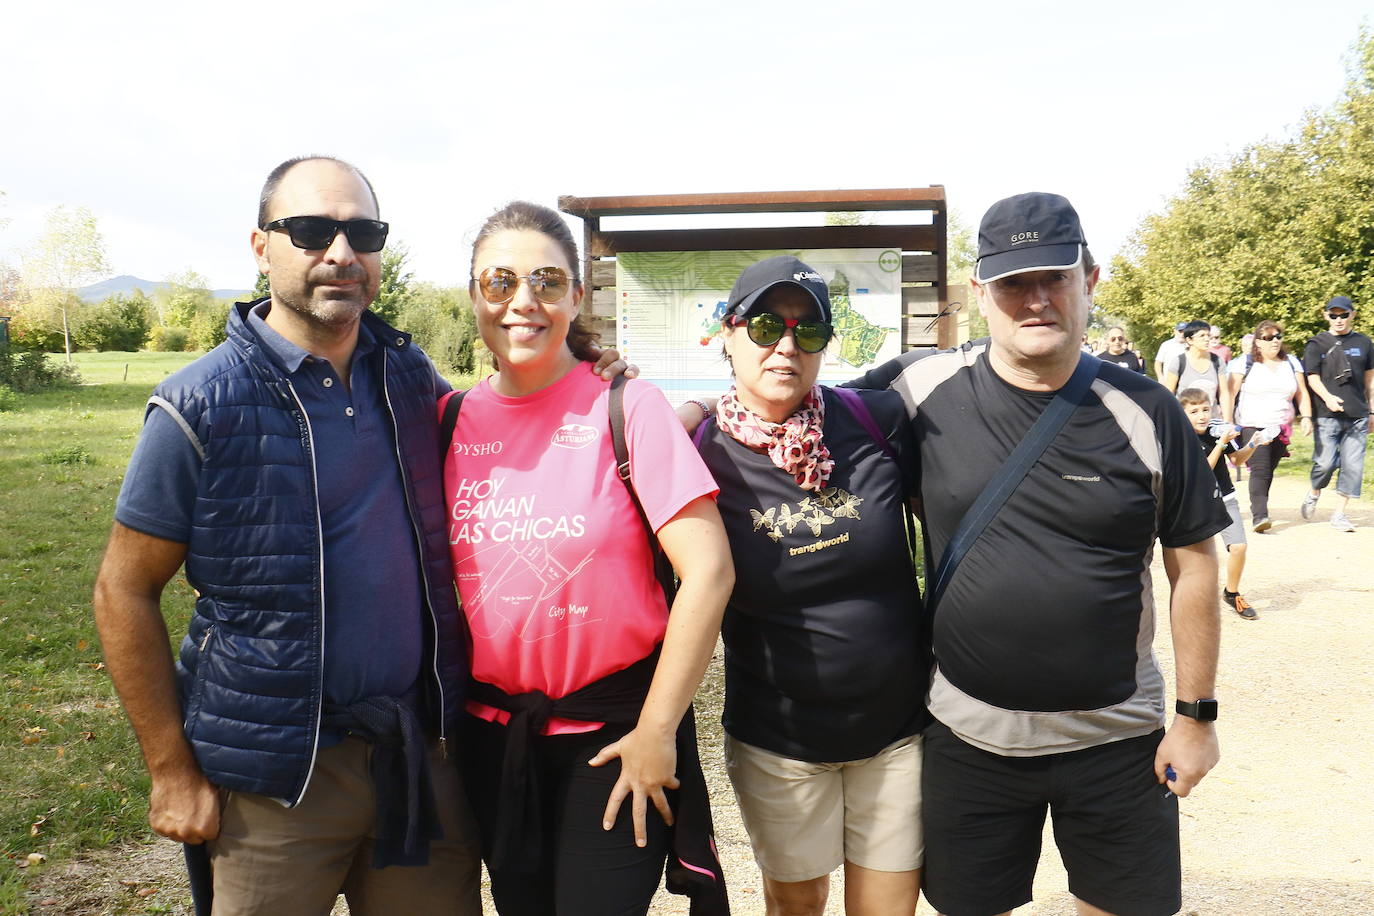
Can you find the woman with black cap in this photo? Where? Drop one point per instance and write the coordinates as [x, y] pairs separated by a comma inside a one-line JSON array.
[[824, 673]]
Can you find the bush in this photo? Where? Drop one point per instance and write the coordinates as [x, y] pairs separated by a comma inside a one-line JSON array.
[[440, 320], [9, 399], [166, 339], [30, 332], [118, 323], [32, 370], [207, 329]]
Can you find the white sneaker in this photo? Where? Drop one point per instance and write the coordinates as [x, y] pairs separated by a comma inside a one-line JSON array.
[[1309, 505], [1341, 523]]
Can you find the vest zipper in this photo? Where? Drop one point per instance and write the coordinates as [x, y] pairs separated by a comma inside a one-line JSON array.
[[419, 547], [319, 543]]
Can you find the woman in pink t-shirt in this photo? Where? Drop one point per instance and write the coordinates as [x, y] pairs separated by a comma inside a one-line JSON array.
[[581, 678]]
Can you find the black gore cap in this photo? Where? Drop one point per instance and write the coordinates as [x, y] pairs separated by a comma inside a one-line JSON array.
[[1034, 231]]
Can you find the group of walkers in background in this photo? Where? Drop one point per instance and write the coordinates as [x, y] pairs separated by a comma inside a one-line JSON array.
[[337, 721], [1244, 409]]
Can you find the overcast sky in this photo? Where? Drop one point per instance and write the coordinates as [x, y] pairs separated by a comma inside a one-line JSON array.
[[164, 118]]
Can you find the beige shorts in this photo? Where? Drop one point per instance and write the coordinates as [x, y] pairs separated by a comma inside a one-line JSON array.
[[805, 819]]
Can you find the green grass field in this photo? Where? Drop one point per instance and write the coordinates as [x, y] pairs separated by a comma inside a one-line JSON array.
[[70, 770], [71, 773]]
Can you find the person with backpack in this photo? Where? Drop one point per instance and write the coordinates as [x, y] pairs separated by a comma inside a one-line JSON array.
[[1197, 366], [1340, 369], [579, 727], [825, 671], [1262, 387]]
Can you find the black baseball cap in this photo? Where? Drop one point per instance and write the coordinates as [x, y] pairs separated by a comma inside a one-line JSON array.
[[1034, 231], [759, 278], [1339, 302]]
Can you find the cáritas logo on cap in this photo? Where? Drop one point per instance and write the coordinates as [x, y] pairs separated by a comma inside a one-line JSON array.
[[807, 275], [1022, 237]]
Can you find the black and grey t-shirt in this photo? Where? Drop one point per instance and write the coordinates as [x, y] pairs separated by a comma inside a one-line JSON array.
[[822, 654], [1042, 641]]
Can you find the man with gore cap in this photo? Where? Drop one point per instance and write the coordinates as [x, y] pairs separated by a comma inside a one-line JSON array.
[[1340, 372], [304, 738], [1045, 694]]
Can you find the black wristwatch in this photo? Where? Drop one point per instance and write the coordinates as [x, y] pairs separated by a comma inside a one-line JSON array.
[[1202, 710]]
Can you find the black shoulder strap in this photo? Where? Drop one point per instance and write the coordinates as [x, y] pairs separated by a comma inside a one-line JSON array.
[[449, 422], [850, 399], [1010, 475], [663, 568], [1182, 363]]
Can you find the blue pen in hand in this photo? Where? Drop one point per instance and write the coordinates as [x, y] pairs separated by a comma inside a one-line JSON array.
[[1169, 774]]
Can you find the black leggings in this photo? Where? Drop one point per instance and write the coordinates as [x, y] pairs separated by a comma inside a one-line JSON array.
[[594, 870], [1262, 464]]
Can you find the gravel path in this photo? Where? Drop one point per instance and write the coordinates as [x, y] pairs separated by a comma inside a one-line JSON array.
[[1284, 825]]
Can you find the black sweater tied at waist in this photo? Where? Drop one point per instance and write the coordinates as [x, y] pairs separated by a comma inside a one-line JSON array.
[[693, 866]]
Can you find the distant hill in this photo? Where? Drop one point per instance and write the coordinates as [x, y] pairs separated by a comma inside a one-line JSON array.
[[127, 284]]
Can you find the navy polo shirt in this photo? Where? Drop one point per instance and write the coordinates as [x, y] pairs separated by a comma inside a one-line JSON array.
[[373, 634]]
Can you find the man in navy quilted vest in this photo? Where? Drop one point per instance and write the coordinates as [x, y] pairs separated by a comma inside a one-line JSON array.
[[302, 740]]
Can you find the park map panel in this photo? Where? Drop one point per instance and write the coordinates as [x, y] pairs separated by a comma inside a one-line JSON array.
[[669, 306]]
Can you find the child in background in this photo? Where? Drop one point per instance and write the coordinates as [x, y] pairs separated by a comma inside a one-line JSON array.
[[1217, 440]]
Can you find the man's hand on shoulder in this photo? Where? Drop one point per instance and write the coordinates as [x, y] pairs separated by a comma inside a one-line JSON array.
[[1191, 748], [183, 805], [609, 365]]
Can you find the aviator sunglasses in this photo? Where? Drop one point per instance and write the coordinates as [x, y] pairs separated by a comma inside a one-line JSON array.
[[315, 233], [1267, 337], [766, 329], [548, 284]]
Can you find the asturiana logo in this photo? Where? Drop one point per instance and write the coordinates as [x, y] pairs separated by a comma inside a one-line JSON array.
[[574, 435]]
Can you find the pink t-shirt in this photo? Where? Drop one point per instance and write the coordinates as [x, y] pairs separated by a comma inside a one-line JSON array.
[[553, 563]]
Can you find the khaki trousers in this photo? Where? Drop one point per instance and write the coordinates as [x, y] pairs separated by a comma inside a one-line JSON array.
[[270, 859]]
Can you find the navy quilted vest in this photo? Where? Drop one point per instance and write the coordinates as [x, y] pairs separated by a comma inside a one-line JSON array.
[[251, 668]]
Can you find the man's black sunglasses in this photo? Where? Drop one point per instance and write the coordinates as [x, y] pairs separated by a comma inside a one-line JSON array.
[[315, 233]]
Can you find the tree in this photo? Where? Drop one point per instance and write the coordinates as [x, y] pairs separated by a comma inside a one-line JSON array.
[[393, 288], [69, 254], [185, 296], [440, 320], [1271, 232]]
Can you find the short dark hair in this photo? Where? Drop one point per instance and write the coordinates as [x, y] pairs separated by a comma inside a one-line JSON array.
[[521, 215], [1190, 396], [1194, 326], [274, 180]]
